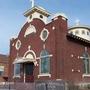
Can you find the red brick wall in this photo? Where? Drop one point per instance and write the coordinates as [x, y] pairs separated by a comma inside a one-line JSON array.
[[4, 62], [62, 49]]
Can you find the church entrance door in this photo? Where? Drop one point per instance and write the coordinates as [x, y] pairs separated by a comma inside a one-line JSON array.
[[28, 72]]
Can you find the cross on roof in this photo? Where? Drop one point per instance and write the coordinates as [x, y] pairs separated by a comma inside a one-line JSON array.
[[77, 22], [33, 2]]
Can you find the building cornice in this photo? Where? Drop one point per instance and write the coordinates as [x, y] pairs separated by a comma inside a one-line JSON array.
[[78, 38], [36, 9]]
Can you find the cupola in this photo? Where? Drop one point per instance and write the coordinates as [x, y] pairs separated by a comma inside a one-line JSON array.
[[37, 12], [82, 31]]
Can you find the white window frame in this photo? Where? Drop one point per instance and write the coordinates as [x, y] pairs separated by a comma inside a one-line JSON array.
[[15, 74], [2, 69], [44, 74], [41, 35], [18, 46], [86, 73]]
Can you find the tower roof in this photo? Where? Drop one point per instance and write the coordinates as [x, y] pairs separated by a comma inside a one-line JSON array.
[[79, 26], [37, 9]]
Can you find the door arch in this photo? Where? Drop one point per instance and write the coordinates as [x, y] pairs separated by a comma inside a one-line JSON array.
[[28, 66]]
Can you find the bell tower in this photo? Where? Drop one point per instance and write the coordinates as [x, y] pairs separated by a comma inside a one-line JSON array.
[[37, 12]]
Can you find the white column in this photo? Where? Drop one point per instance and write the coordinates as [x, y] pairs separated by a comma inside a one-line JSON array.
[[24, 74]]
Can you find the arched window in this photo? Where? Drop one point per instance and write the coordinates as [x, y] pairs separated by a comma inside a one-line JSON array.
[[86, 61], [44, 62]]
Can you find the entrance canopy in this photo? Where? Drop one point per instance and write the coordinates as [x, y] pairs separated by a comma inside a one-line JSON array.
[[28, 59], [23, 60]]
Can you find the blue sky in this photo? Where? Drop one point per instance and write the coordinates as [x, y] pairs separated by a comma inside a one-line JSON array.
[[12, 19]]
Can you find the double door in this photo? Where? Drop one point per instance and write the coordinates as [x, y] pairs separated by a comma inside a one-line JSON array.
[[28, 72]]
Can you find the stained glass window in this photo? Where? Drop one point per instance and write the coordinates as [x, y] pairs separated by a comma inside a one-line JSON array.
[[45, 62], [86, 62], [44, 34]]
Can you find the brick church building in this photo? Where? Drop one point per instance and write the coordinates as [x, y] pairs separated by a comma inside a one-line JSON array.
[[50, 50]]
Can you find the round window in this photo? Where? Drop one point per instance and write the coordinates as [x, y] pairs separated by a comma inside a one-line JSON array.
[[41, 16], [30, 17], [44, 34], [18, 44]]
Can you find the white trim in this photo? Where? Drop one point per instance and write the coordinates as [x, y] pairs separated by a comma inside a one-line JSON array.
[[64, 18], [58, 79], [16, 45], [41, 35], [29, 30], [86, 75], [44, 75], [37, 9], [23, 60], [80, 34], [16, 76], [24, 75], [50, 55], [55, 18], [30, 51]]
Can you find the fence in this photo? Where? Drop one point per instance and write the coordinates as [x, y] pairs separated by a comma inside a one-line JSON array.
[[42, 85]]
